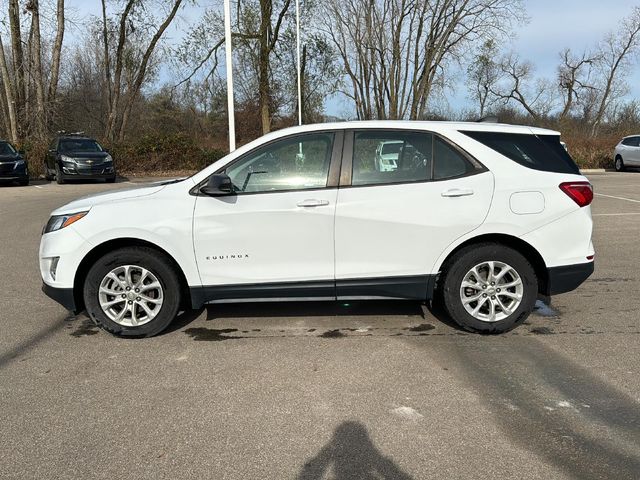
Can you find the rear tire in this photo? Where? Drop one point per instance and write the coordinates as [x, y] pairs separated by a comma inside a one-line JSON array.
[[619, 164], [135, 303], [498, 307]]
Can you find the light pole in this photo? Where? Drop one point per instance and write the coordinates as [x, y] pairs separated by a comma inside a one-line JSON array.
[[229, 67], [298, 61]]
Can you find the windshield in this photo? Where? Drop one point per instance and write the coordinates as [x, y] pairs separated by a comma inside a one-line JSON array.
[[6, 149], [391, 148], [79, 145]]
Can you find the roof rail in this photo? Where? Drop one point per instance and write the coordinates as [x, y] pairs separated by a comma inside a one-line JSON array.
[[488, 119], [64, 132]]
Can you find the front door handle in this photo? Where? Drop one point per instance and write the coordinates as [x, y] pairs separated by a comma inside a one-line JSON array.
[[313, 203], [457, 192]]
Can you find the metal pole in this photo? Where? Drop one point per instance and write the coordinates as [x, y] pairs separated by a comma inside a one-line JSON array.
[[298, 61], [229, 67]]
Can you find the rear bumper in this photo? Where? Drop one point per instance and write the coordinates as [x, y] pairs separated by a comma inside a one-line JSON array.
[[568, 277], [64, 296]]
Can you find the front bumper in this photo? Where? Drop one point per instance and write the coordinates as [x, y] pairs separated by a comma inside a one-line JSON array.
[[568, 277], [14, 177], [64, 296]]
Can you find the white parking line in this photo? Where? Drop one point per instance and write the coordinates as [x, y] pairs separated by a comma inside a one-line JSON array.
[[617, 198]]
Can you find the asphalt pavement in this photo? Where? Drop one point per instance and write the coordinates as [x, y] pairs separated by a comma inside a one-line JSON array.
[[322, 390]]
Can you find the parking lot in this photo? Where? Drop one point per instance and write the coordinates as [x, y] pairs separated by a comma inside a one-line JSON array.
[[323, 390]]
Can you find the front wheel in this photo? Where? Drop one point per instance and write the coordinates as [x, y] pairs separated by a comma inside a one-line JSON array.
[[488, 288], [59, 179], [619, 164], [133, 291]]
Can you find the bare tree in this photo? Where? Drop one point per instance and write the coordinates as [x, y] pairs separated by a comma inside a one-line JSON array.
[[483, 74], [573, 79], [36, 71], [535, 96], [395, 52], [8, 103], [119, 114], [56, 53], [614, 57]]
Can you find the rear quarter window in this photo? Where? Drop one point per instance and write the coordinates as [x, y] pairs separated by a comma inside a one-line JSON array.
[[539, 152]]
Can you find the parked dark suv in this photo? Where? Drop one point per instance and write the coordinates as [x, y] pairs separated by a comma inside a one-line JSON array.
[[75, 157], [13, 166]]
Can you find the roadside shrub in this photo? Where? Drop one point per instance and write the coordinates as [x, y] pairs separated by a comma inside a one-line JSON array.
[[154, 154]]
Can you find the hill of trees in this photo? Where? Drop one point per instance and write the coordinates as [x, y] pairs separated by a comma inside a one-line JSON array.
[[150, 85]]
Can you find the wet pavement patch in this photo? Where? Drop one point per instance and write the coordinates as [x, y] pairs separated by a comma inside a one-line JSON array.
[[86, 328], [332, 334], [423, 327], [542, 331], [211, 334]]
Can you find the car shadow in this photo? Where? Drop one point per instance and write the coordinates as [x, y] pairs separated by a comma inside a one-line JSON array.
[[554, 408], [351, 454]]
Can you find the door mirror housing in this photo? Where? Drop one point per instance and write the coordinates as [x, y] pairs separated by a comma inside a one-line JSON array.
[[219, 184]]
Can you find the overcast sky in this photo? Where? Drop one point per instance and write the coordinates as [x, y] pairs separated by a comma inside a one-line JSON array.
[[553, 26]]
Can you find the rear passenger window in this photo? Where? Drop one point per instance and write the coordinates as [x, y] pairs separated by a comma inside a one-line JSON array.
[[384, 157], [631, 141], [448, 161], [539, 152]]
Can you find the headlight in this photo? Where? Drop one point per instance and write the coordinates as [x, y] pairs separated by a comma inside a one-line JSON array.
[[19, 164], [66, 159], [60, 221], [108, 159]]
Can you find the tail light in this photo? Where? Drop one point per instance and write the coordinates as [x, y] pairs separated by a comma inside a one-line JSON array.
[[579, 192]]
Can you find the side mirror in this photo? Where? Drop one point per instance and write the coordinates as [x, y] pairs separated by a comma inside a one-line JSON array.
[[218, 185]]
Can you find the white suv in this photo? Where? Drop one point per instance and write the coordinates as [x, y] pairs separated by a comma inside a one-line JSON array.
[[483, 217]]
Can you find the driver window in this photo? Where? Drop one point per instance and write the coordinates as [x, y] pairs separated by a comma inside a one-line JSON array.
[[297, 163]]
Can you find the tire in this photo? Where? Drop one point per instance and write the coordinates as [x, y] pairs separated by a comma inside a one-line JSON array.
[[59, 179], [23, 183], [619, 164], [166, 299], [111, 179], [459, 268]]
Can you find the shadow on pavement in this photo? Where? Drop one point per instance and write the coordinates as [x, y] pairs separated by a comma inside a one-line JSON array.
[[313, 309], [555, 408], [351, 454]]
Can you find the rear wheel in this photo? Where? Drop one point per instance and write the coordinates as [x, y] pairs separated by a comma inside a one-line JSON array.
[[619, 164], [132, 292], [488, 288]]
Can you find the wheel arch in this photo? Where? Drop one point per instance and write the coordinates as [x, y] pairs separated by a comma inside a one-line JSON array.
[[115, 244], [525, 248]]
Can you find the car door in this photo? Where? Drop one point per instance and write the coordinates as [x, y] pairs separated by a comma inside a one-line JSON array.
[[633, 158], [392, 226], [274, 238]]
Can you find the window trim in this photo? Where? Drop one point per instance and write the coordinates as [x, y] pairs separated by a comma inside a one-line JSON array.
[[346, 173], [333, 176]]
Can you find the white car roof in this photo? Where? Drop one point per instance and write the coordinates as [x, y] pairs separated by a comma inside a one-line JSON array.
[[435, 126]]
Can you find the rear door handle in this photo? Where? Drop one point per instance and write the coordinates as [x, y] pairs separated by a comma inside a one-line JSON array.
[[313, 203], [457, 192]]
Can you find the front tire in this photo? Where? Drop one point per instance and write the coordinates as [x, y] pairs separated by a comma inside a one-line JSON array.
[[132, 291], [59, 179], [619, 164], [488, 288]]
